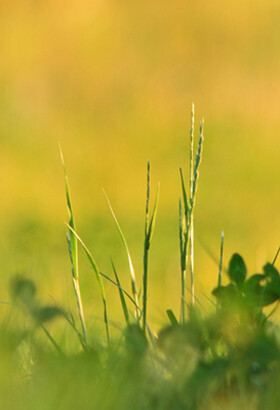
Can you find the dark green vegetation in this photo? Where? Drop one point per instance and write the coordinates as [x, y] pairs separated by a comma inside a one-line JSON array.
[[227, 357]]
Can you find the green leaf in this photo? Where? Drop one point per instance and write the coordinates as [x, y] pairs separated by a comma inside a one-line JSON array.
[[253, 291], [268, 296], [271, 272], [23, 289], [48, 313], [253, 283], [272, 286], [237, 269]]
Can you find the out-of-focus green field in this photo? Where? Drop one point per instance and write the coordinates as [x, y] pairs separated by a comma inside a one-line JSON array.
[[113, 82]]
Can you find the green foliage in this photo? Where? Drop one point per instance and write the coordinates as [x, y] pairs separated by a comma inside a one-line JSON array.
[[249, 296], [237, 269], [225, 358]]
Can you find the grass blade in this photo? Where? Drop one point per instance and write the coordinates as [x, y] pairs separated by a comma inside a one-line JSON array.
[[123, 302], [98, 278], [172, 317], [73, 251], [185, 199], [182, 261], [149, 229], [115, 283], [186, 229], [131, 268], [191, 176], [183, 237], [153, 217]]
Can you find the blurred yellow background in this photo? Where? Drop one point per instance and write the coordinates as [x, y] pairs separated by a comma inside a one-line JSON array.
[[113, 81]]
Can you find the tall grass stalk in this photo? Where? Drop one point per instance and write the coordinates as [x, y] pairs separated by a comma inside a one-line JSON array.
[[73, 252], [131, 268], [98, 278], [186, 212], [149, 229], [191, 187]]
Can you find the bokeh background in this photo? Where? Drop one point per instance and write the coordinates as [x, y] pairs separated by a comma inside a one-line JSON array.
[[113, 81]]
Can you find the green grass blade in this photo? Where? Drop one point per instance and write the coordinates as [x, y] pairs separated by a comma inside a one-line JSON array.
[[181, 238], [73, 245], [70, 319], [149, 229], [183, 232], [147, 199], [172, 317], [123, 302], [73, 251], [198, 159], [131, 268], [98, 278], [49, 336], [115, 283], [146, 251], [153, 217], [191, 151]]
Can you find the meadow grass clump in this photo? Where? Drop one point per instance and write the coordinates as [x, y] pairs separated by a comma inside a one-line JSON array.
[[226, 358]]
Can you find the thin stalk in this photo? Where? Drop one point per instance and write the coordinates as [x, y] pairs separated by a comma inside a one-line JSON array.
[[221, 259], [191, 213], [193, 191], [186, 212], [276, 256], [73, 252], [146, 251], [192, 261], [182, 262], [149, 229], [49, 336]]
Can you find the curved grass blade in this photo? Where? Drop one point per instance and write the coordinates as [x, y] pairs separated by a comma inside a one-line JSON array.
[[122, 289], [98, 278], [123, 302], [73, 251], [153, 217], [131, 268]]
